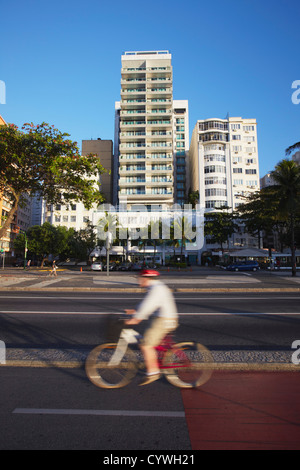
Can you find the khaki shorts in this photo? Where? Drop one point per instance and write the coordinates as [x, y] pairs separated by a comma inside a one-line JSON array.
[[159, 328]]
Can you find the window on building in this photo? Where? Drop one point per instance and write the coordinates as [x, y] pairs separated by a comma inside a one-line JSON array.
[[238, 182]]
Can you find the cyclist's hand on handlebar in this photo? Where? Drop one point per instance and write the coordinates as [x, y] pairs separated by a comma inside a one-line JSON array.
[[130, 312], [132, 321]]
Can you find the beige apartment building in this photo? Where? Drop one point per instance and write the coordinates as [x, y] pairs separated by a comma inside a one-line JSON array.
[[104, 150], [145, 138], [224, 161], [224, 165]]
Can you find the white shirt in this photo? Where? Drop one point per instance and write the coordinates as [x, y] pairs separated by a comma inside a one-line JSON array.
[[159, 300]]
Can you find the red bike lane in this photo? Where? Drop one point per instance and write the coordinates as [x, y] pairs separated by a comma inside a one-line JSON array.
[[245, 411]]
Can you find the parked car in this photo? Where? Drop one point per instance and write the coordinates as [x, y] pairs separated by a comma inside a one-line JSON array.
[[112, 267], [136, 267], [97, 266], [124, 267], [243, 266]]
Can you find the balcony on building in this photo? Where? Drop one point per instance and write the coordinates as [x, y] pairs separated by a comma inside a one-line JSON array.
[[161, 123], [159, 91], [213, 137], [128, 136], [126, 124]]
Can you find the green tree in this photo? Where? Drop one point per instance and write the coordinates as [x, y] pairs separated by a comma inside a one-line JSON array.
[[258, 213], [220, 225], [44, 240], [81, 242], [293, 148], [181, 232], [287, 191], [40, 160], [193, 197]]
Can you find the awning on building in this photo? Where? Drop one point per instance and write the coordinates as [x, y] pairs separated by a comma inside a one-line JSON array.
[[249, 253]]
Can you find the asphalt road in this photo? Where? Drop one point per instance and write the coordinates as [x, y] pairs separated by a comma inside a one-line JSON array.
[[258, 320], [58, 408]]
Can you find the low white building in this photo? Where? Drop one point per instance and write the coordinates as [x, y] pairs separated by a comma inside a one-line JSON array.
[[69, 215], [135, 242]]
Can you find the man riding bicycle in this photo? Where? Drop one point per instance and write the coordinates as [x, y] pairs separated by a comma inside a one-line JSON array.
[[160, 303]]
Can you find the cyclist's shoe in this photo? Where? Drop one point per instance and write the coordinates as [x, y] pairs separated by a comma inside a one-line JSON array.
[[150, 378]]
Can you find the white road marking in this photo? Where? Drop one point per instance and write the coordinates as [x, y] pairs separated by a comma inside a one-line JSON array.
[[18, 312], [50, 281], [254, 296], [131, 413]]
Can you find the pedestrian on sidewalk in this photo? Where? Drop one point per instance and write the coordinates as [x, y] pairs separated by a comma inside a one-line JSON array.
[[54, 268]]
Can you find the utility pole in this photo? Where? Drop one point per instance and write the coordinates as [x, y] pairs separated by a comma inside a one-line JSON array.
[[108, 245]]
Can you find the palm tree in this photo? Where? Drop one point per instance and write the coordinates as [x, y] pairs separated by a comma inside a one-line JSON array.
[[292, 148], [182, 227], [107, 227], [287, 186]]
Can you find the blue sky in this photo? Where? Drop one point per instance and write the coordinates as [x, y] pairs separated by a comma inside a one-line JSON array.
[[61, 61]]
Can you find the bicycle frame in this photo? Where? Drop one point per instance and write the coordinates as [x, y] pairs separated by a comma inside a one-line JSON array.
[[130, 336], [167, 344]]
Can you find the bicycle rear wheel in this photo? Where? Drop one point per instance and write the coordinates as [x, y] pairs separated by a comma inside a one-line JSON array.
[[103, 372], [188, 365]]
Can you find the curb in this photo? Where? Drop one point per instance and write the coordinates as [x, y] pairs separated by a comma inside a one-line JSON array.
[[241, 367], [136, 289]]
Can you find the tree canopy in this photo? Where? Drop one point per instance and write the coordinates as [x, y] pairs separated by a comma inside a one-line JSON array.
[[41, 160], [276, 207], [220, 225]]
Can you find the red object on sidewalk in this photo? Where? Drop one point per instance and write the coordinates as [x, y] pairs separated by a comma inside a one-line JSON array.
[[245, 411]]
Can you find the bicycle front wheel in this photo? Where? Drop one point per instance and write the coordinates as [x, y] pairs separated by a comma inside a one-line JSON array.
[[102, 370], [188, 365]]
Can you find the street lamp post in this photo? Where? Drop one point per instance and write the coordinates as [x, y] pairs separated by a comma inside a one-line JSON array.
[[108, 245], [26, 244], [26, 249]]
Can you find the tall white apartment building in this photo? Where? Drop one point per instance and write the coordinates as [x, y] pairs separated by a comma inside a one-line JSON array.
[[224, 161], [296, 157], [146, 134]]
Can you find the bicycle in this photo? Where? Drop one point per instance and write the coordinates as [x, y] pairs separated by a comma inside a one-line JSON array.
[[115, 364]]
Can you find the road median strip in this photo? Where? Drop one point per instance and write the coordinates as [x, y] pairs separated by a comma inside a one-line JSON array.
[[234, 360]]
